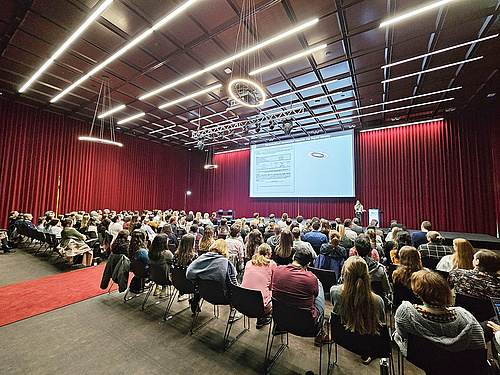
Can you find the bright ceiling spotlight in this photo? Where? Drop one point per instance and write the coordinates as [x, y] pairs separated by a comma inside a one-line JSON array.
[[247, 92]]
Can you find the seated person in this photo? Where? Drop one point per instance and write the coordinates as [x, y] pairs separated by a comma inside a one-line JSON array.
[[360, 309], [483, 281], [403, 238], [452, 328], [375, 269], [294, 285], [137, 250], [161, 256], [420, 237], [73, 243], [297, 242], [463, 252], [274, 240], [215, 266], [183, 257], [434, 248], [315, 237], [283, 253], [235, 245], [409, 262], [332, 255], [259, 275]]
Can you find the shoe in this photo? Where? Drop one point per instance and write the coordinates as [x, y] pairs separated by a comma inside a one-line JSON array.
[[164, 293], [157, 290], [236, 315], [9, 251], [366, 360], [261, 322], [323, 338], [183, 297]]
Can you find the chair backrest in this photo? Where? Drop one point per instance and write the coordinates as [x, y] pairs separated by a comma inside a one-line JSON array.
[[172, 247], [247, 301], [295, 320], [391, 267], [49, 239], [327, 277], [180, 281], [435, 360], [375, 346], [213, 292], [158, 275], [138, 269], [377, 288], [445, 274], [430, 263], [482, 309], [402, 293]]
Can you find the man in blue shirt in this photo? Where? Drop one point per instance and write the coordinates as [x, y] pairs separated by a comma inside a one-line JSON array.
[[420, 238], [315, 237]]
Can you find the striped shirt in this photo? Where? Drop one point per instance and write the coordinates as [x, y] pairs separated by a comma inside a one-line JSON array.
[[436, 251]]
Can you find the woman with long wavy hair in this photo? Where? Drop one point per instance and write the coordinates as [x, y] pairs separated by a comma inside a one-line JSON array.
[[161, 256], [283, 253], [254, 241], [206, 240], [183, 257], [409, 263], [360, 310], [138, 248]]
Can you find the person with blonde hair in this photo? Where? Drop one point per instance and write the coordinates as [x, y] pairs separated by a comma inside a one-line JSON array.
[[451, 328], [360, 310], [345, 241], [215, 266], [462, 256], [258, 275]]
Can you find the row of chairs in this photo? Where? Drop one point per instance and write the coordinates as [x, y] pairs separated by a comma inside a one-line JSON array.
[[48, 242]]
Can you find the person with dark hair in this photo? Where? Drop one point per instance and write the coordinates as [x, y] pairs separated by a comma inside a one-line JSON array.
[[120, 244], [271, 219], [269, 232], [403, 238], [356, 227], [294, 285], [255, 219], [193, 229], [420, 237], [283, 253], [138, 248], [274, 240], [75, 243], [254, 241], [235, 246], [434, 249], [376, 270], [360, 310], [451, 328], [298, 243], [409, 263], [348, 230], [183, 257], [223, 229], [172, 238], [483, 281], [315, 237], [161, 256], [206, 240]]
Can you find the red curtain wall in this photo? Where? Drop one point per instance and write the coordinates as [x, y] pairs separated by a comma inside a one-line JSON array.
[[37, 147], [438, 171]]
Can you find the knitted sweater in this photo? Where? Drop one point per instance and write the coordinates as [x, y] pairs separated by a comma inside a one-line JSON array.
[[463, 333]]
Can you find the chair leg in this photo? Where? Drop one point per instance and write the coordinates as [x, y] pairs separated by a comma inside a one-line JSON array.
[[270, 361], [215, 316], [227, 343], [147, 296], [109, 289], [170, 302]]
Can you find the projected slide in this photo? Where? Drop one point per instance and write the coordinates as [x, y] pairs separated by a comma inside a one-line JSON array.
[[320, 166]]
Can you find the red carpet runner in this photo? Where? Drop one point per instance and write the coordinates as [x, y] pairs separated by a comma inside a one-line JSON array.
[[33, 297]]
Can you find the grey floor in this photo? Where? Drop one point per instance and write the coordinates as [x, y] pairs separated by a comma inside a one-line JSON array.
[[104, 335]]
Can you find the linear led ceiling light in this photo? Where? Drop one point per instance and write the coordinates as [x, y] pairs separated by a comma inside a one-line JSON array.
[[211, 88], [288, 59], [432, 69], [131, 118], [100, 140], [415, 12], [66, 44], [111, 111], [400, 125], [126, 48], [439, 51], [232, 58]]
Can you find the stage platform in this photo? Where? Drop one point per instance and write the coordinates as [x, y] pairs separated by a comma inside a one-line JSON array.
[[481, 241]]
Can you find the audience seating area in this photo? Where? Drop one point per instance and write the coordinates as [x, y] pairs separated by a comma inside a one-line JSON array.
[[285, 319]]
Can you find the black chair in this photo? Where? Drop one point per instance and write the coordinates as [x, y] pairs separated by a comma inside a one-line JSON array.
[[139, 271], [391, 267], [327, 277], [157, 276], [435, 360], [430, 263], [250, 303], [445, 274], [182, 286], [290, 319], [213, 292], [401, 293], [482, 309], [375, 346]]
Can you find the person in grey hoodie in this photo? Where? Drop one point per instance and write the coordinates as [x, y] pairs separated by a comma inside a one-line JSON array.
[[452, 328]]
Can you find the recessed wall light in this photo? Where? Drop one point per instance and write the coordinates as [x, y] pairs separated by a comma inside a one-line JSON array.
[[491, 95], [228, 70]]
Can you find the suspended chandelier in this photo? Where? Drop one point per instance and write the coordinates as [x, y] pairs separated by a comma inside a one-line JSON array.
[[102, 111], [243, 91]]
